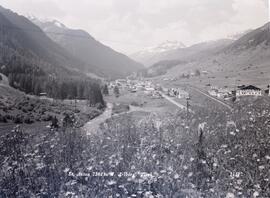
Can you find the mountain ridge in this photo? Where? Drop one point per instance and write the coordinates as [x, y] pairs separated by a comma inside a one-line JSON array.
[[242, 61], [147, 55], [100, 59]]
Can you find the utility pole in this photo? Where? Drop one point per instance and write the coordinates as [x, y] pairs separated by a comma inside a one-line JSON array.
[[75, 104], [188, 106]]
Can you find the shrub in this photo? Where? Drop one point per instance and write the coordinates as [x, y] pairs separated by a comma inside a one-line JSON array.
[[46, 118], [120, 108], [3, 118], [9, 117], [99, 106], [77, 111], [136, 104], [18, 119], [28, 120]]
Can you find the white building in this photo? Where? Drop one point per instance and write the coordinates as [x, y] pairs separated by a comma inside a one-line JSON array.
[[179, 93], [147, 88], [182, 94], [205, 72], [249, 91], [213, 92]]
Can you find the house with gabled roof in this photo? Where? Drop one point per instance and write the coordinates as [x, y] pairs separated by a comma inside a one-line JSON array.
[[249, 90]]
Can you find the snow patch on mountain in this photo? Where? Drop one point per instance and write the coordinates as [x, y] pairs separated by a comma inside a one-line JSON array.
[[165, 46], [146, 55], [54, 22]]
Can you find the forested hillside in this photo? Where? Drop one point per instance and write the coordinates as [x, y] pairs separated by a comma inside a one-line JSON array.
[[35, 64]]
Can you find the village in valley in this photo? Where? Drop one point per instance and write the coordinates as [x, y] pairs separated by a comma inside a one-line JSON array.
[[155, 90]]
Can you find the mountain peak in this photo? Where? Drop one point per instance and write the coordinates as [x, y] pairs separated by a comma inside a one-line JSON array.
[[58, 24], [166, 46], [146, 55], [47, 21], [98, 58]]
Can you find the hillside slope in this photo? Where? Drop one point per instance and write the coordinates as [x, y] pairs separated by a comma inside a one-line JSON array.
[[20, 37], [181, 56], [245, 61], [35, 64], [99, 59]]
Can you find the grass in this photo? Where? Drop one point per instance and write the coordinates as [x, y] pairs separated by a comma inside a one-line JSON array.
[[19, 108], [161, 154], [120, 108], [140, 101]]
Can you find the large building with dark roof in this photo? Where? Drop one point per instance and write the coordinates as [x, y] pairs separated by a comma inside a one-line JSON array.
[[249, 90]]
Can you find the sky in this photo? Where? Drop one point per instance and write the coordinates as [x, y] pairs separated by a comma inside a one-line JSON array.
[[132, 25]]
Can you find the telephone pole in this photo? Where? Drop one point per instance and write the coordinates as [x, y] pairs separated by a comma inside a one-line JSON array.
[[188, 106]]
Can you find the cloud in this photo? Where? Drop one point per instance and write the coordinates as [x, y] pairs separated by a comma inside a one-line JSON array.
[[130, 25], [41, 8], [247, 15]]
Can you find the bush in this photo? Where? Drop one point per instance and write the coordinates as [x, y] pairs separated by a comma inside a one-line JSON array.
[[38, 119], [24, 110], [99, 106], [46, 118], [28, 120], [136, 104], [76, 111], [9, 117], [120, 108], [3, 118], [18, 119]]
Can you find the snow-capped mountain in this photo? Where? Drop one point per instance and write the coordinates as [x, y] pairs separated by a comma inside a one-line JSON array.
[[165, 46], [147, 55], [100, 59], [52, 22]]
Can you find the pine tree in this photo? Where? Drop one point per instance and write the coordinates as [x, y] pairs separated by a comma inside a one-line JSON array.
[[105, 90], [116, 91]]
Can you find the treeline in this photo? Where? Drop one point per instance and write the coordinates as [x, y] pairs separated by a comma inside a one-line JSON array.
[[75, 89], [33, 80], [23, 75], [32, 74]]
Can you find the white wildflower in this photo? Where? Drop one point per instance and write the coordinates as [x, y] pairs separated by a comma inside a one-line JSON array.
[[230, 195], [89, 168], [255, 194], [232, 133], [203, 161], [190, 174], [163, 171], [112, 182]]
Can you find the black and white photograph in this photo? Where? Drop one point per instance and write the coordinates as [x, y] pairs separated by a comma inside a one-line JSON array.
[[134, 99]]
